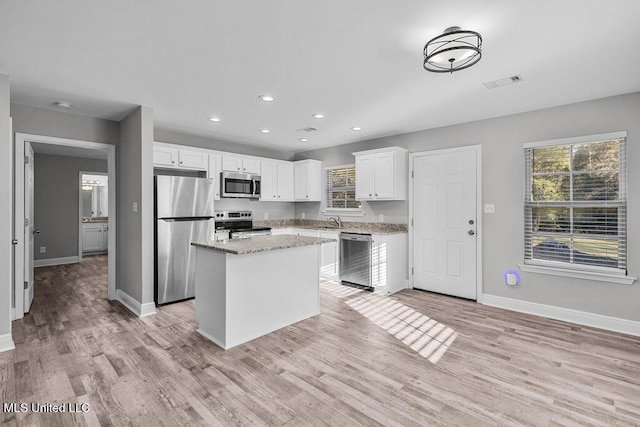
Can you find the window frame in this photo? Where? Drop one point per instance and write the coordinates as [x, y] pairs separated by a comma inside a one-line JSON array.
[[328, 211], [566, 269]]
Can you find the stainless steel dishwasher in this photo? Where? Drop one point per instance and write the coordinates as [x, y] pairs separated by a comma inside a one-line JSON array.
[[355, 259]]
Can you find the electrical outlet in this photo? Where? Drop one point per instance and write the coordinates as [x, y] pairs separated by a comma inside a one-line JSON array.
[[135, 206], [43, 249], [489, 208], [304, 215], [266, 215], [380, 218]]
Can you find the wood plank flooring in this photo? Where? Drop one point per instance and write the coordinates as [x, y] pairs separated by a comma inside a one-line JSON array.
[[363, 361]]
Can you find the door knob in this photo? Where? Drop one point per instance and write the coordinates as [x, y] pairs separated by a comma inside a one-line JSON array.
[[36, 231], [471, 222], [471, 232]]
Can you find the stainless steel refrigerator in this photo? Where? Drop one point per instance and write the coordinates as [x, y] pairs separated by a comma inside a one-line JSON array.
[[184, 214]]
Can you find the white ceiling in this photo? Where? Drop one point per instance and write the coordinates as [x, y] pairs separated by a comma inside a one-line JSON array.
[[357, 61]]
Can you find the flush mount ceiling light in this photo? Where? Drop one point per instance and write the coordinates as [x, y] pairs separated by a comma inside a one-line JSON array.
[[265, 130], [214, 119], [454, 50], [304, 140], [356, 128], [267, 98], [318, 116], [62, 104]]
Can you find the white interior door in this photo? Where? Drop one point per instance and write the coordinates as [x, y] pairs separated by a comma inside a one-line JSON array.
[[29, 229], [445, 219]]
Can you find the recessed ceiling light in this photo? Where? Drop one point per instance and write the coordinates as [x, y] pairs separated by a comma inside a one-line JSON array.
[[318, 116], [304, 140], [214, 119], [356, 128], [62, 104], [266, 98], [265, 130]]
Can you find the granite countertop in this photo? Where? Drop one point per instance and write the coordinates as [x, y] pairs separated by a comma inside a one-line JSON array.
[[347, 227], [97, 219], [261, 244]]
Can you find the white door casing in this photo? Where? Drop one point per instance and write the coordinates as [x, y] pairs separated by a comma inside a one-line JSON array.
[[445, 212], [21, 140], [29, 228]]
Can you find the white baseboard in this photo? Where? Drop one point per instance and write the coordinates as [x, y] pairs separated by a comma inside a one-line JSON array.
[[140, 310], [56, 261], [6, 343], [566, 314]]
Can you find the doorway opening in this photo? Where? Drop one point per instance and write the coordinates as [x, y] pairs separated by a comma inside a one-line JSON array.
[[50, 234], [93, 211]]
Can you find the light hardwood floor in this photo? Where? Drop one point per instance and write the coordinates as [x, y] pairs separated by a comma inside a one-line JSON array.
[[417, 359]]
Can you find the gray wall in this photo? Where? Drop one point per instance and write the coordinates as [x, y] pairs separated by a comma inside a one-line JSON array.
[[6, 211], [135, 185], [43, 121], [166, 135], [502, 169], [56, 210]]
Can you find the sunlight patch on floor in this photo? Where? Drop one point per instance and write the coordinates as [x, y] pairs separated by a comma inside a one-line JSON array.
[[426, 336], [338, 290]]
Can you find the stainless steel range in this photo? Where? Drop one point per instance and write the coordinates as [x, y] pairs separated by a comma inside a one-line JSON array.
[[237, 224]]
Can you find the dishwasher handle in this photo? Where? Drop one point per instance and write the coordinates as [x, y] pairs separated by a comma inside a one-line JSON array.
[[356, 237]]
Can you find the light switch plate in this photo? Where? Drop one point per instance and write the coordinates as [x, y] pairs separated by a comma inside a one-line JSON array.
[[489, 208], [380, 218], [266, 215], [135, 206], [304, 215]]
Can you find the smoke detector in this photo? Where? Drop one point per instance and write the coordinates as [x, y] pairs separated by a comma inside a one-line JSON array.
[[307, 129], [62, 104], [503, 82]]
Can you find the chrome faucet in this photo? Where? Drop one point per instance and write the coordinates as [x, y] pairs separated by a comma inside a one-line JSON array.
[[337, 220]]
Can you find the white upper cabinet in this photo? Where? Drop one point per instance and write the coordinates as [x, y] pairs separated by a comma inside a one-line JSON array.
[[276, 181], [215, 166], [381, 174], [165, 156], [231, 163], [307, 180], [175, 157], [197, 160]]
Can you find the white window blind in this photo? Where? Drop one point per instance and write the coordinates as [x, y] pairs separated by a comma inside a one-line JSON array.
[[576, 203], [341, 188]]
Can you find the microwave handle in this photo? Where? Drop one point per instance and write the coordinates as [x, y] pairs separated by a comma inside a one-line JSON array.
[[253, 187]]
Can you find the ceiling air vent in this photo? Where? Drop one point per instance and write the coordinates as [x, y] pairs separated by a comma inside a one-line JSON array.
[[503, 82], [307, 129]]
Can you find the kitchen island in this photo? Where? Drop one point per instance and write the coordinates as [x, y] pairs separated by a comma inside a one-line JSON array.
[[247, 288]]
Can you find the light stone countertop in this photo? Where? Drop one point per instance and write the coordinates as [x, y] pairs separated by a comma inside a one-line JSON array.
[[261, 244], [347, 226]]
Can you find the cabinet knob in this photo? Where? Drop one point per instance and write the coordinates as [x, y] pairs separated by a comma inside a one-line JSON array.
[[278, 196], [173, 162], [181, 162], [376, 194], [369, 194]]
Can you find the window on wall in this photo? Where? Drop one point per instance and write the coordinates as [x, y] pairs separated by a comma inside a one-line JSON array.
[[575, 204], [341, 188]]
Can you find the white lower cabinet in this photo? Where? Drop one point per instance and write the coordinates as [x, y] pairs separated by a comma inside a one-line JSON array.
[[330, 257], [388, 262], [95, 237]]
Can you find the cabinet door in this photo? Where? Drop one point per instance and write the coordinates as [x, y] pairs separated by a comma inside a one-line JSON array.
[[215, 165], [384, 175], [268, 181], [301, 181], [251, 166], [364, 177], [285, 182], [105, 236], [232, 163], [197, 160], [165, 157], [92, 239], [330, 259]]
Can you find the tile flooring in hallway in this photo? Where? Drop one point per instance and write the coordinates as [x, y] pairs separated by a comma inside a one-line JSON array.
[[416, 359]]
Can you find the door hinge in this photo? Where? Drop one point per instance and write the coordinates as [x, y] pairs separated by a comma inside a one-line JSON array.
[[26, 285], [412, 222], [26, 160], [412, 271], [411, 174], [26, 222]]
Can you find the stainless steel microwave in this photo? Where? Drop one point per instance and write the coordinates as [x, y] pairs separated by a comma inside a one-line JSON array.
[[239, 185]]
